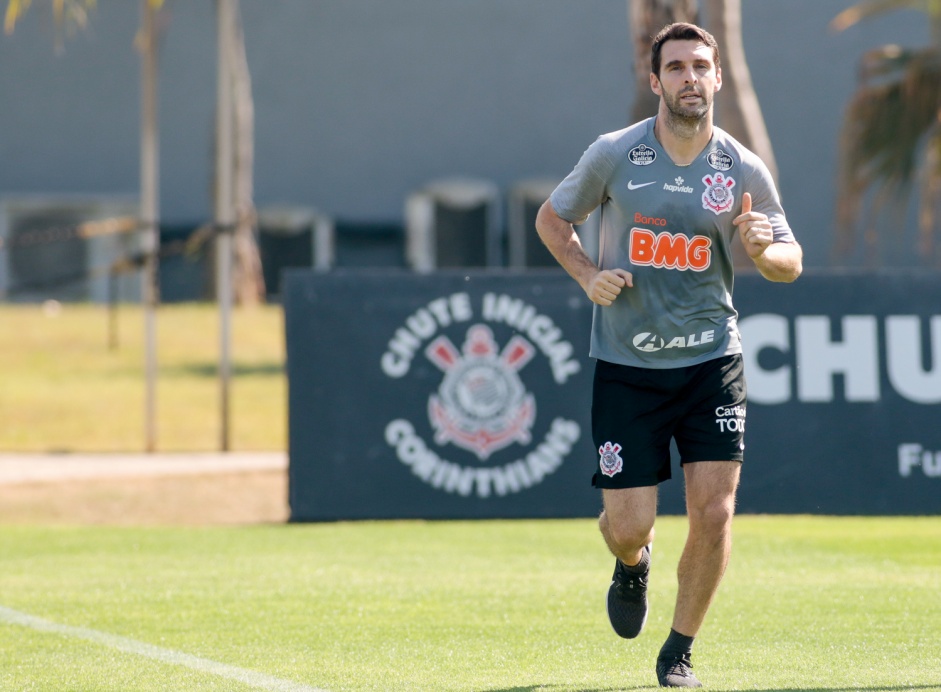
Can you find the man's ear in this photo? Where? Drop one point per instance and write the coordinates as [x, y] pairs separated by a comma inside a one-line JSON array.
[[718, 78], [655, 84]]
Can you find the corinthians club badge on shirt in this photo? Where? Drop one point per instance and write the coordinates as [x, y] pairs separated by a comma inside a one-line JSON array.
[[718, 195]]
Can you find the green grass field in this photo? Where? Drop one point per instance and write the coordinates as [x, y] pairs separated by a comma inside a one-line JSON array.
[[65, 388], [822, 604], [809, 603]]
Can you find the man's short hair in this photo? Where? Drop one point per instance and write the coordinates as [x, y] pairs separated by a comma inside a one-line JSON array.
[[681, 31]]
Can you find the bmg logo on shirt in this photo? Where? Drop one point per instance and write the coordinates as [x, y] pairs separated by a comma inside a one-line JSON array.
[[670, 251]]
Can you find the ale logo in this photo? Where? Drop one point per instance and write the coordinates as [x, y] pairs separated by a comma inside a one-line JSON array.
[[648, 342], [482, 405]]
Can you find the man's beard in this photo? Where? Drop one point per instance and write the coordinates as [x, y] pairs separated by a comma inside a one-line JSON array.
[[687, 117]]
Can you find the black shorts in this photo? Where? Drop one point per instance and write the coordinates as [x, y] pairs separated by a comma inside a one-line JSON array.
[[636, 411]]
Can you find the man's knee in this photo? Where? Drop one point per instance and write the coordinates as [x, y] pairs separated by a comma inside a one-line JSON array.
[[713, 516], [710, 495], [625, 535]]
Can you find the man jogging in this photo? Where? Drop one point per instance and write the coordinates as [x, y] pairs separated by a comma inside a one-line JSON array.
[[675, 193]]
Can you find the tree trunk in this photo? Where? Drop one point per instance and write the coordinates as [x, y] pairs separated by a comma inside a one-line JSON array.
[[150, 214], [249, 283], [930, 202], [737, 108], [931, 199], [647, 17]]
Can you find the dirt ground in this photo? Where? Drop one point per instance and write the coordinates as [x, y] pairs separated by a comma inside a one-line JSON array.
[[221, 498]]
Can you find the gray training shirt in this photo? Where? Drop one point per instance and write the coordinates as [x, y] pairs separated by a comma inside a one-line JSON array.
[[671, 227]]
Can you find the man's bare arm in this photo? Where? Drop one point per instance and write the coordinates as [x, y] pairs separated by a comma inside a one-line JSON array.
[[780, 262], [775, 261], [559, 236]]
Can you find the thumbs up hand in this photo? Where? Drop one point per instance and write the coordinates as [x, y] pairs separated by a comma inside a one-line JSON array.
[[754, 228]]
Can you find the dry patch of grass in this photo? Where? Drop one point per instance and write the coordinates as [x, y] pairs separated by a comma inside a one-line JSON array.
[[65, 387], [205, 500]]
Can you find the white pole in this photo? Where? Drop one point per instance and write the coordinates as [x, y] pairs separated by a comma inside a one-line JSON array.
[[149, 202], [225, 203]]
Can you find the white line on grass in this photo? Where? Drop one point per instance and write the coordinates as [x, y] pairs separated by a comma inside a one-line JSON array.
[[132, 646]]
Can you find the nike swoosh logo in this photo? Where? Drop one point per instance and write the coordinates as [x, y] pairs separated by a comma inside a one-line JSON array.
[[632, 186]]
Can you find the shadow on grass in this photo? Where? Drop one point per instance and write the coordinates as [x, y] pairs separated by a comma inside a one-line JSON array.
[[549, 688], [859, 688], [876, 688], [212, 369]]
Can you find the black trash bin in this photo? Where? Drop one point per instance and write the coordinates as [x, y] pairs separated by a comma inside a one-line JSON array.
[[292, 237]]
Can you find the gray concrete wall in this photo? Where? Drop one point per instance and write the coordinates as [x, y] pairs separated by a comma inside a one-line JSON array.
[[361, 101]]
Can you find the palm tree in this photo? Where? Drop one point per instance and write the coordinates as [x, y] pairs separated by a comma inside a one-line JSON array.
[[891, 139], [737, 110], [234, 204], [647, 17], [248, 282], [69, 13]]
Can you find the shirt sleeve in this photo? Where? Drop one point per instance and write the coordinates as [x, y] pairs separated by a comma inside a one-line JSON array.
[[765, 199], [585, 188]]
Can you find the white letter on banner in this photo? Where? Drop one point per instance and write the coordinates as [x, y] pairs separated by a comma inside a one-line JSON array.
[[909, 456], [904, 358], [818, 358], [760, 332]]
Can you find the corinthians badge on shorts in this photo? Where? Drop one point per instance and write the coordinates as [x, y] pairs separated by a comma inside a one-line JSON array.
[[718, 195], [482, 405], [610, 461]]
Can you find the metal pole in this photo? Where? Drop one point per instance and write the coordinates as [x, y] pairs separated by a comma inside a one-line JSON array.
[[112, 309], [225, 203], [150, 237]]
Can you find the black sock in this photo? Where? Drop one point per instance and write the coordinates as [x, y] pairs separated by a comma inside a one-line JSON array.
[[641, 566], [677, 643]]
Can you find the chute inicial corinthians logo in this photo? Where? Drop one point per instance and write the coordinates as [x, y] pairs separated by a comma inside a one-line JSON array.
[[482, 404]]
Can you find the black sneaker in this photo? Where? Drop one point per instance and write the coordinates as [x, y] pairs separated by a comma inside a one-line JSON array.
[[627, 600], [675, 670]]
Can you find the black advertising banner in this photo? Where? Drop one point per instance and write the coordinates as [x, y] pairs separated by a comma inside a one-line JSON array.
[[844, 388], [438, 396], [467, 395]]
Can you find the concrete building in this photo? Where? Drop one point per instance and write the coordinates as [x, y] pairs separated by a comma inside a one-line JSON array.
[[361, 102]]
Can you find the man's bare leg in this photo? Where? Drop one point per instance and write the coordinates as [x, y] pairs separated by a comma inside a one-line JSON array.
[[710, 506], [627, 521], [627, 526]]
